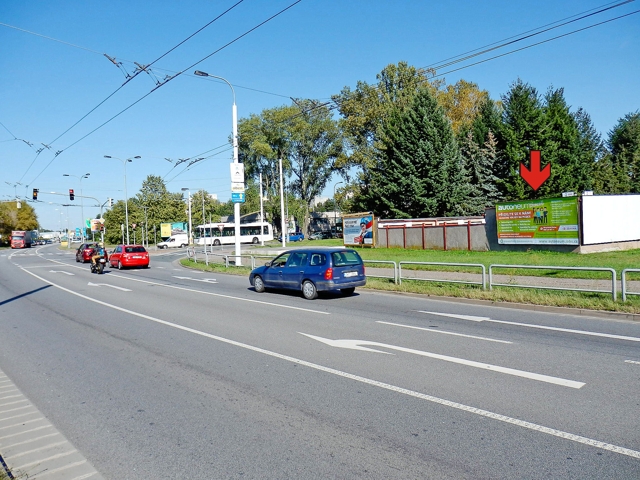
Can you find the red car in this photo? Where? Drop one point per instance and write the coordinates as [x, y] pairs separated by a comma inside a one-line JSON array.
[[129, 256], [85, 252]]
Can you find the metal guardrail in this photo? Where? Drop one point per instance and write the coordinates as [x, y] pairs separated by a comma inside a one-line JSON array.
[[483, 282], [542, 267], [625, 292], [395, 269]]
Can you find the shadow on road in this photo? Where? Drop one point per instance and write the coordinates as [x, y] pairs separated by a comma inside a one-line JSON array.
[[24, 295]]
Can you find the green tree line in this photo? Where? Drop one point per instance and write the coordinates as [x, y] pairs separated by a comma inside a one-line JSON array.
[[411, 146]]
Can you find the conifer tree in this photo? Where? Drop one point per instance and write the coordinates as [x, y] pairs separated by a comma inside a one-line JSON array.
[[421, 173]]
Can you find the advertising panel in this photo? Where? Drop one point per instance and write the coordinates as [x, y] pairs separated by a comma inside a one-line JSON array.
[[548, 221], [165, 230], [358, 229]]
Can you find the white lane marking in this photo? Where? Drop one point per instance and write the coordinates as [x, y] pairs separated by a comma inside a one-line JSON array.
[[357, 345], [61, 271], [543, 327], [473, 410], [206, 280], [107, 285], [52, 457], [453, 315], [632, 361], [51, 445], [444, 332], [183, 288], [6, 447], [160, 267]]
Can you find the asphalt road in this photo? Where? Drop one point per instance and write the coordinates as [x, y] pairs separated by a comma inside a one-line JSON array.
[[173, 373]]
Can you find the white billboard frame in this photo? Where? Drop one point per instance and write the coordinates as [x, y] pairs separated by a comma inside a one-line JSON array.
[[610, 218]]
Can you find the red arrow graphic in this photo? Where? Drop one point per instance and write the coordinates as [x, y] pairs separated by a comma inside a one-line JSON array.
[[535, 177]]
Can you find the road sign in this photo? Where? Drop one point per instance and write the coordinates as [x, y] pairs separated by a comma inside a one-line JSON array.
[[237, 197], [237, 187], [237, 172]]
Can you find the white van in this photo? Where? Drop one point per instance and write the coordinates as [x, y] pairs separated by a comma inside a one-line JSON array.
[[175, 241]]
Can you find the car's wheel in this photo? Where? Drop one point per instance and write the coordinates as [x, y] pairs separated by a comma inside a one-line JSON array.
[[255, 240], [348, 291], [309, 290], [120, 266], [183, 245], [258, 284], [216, 243], [77, 259], [145, 266]]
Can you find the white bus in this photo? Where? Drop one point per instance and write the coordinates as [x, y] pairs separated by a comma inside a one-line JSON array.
[[224, 233]]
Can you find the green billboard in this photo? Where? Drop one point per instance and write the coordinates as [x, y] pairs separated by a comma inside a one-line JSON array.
[[548, 221]]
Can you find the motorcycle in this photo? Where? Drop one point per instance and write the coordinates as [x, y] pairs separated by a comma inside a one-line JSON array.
[[98, 267]]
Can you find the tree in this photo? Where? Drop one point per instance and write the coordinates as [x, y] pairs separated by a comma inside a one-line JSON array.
[[366, 109], [479, 163], [421, 172], [521, 132], [305, 137], [624, 145], [14, 218], [462, 103]]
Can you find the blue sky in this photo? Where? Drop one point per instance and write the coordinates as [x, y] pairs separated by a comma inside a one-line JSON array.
[[313, 50]]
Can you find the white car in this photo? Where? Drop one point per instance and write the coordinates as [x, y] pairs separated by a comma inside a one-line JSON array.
[[175, 241]]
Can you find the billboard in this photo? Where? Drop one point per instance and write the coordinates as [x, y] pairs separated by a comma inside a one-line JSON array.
[[610, 218], [548, 221], [358, 229], [165, 230]]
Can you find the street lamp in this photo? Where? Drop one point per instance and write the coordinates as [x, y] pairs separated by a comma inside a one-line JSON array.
[[335, 208], [236, 206], [86, 175], [190, 230], [126, 198]]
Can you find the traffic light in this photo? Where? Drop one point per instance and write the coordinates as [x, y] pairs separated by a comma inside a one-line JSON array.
[[35, 194], [110, 202], [71, 195]]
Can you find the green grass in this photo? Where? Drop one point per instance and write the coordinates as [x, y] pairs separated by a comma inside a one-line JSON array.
[[584, 300]]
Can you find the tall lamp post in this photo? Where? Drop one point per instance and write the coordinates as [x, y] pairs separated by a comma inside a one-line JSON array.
[[126, 197], [335, 208], [190, 228], [80, 178], [236, 206]]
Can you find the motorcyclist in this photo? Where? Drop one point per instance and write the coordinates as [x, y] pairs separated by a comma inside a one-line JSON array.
[[98, 252]]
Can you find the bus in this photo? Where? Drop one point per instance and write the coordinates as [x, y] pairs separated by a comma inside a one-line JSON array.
[[225, 234]]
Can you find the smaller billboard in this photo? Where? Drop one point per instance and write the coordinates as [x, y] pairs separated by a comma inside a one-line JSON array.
[[358, 229], [165, 230]]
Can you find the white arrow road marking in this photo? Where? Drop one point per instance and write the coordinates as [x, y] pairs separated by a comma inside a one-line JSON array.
[[632, 361], [206, 280], [356, 345], [444, 332], [60, 271], [368, 381], [107, 285], [557, 329]]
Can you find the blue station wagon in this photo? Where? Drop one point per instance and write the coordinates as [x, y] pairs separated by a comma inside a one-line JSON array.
[[312, 270]]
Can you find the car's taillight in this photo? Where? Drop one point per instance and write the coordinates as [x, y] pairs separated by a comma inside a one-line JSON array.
[[328, 274]]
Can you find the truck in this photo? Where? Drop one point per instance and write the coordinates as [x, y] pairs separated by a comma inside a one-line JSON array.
[[21, 239]]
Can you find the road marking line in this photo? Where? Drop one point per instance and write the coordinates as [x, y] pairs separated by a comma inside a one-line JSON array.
[[107, 285], [53, 457], [357, 345], [18, 416], [476, 411], [30, 440], [71, 465], [26, 431], [16, 409], [543, 327], [632, 361], [23, 423], [443, 332], [36, 450]]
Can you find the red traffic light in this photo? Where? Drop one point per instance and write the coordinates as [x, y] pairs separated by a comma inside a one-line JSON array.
[[71, 195]]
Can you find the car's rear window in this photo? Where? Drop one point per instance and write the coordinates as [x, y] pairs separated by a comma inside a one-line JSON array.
[[134, 249], [346, 259]]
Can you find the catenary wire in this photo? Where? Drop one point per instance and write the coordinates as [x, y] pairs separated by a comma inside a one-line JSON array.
[[127, 81], [167, 81]]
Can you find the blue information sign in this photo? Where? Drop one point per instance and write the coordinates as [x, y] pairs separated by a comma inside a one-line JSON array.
[[237, 197]]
